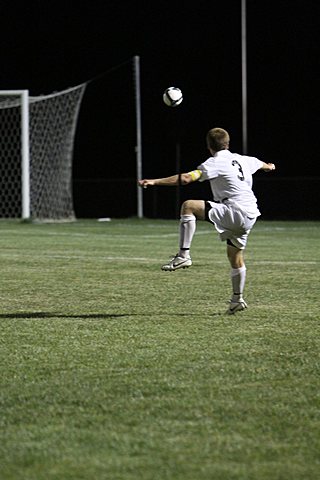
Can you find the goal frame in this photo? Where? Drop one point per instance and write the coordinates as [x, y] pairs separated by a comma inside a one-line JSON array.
[[25, 149]]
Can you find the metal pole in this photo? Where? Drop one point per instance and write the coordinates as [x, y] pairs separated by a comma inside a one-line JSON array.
[[244, 77], [25, 163], [178, 170], [138, 135]]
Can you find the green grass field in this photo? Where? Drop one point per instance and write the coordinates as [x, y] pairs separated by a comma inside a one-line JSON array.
[[113, 369]]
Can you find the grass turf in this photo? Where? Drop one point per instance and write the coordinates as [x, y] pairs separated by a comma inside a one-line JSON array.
[[112, 369]]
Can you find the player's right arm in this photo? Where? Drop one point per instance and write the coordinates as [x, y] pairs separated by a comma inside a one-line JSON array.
[[182, 179], [267, 167]]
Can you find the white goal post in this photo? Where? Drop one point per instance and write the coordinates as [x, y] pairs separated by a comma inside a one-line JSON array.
[[22, 98], [36, 148]]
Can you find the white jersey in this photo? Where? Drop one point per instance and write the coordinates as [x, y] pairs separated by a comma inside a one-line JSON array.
[[230, 177]]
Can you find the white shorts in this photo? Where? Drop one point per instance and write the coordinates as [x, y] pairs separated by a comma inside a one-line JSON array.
[[230, 223]]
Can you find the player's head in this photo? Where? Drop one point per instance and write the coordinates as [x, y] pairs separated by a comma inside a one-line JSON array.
[[217, 139]]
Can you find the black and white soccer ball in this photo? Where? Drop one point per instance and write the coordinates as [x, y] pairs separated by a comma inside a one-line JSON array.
[[172, 96]]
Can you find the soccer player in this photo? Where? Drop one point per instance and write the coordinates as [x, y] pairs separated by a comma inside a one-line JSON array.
[[233, 210]]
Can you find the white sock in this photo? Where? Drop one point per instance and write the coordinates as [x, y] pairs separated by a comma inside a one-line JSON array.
[[187, 229], [238, 280]]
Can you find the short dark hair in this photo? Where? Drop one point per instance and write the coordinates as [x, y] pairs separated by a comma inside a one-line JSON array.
[[218, 139]]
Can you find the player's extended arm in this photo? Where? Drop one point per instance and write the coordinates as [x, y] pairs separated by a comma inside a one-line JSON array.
[[185, 178], [267, 167]]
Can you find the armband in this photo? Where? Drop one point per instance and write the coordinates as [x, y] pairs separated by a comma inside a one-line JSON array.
[[195, 174]]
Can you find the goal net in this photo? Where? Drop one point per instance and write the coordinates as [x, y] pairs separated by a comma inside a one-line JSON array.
[[36, 149]]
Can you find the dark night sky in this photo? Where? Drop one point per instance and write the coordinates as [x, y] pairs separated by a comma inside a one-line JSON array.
[[48, 46]]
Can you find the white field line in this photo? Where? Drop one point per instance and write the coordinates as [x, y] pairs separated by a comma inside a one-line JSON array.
[[219, 262], [102, 235], [111, 258], [62, 256]]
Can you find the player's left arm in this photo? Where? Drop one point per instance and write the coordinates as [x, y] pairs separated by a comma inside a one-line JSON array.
[[267, 167], [182, 179]]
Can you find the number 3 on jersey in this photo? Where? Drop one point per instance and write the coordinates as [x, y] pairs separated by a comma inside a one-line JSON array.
[[240, 176]]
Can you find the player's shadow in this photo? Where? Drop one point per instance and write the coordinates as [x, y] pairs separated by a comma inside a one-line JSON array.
[[35, 315], [102, 316]]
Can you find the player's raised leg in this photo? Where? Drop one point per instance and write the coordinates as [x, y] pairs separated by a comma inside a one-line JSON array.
[[191, 210]]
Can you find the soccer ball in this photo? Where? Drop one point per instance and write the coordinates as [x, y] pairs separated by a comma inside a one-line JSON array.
[[172, 96]]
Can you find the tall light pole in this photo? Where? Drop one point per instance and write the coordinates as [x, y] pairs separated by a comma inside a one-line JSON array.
[[244, 77]]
